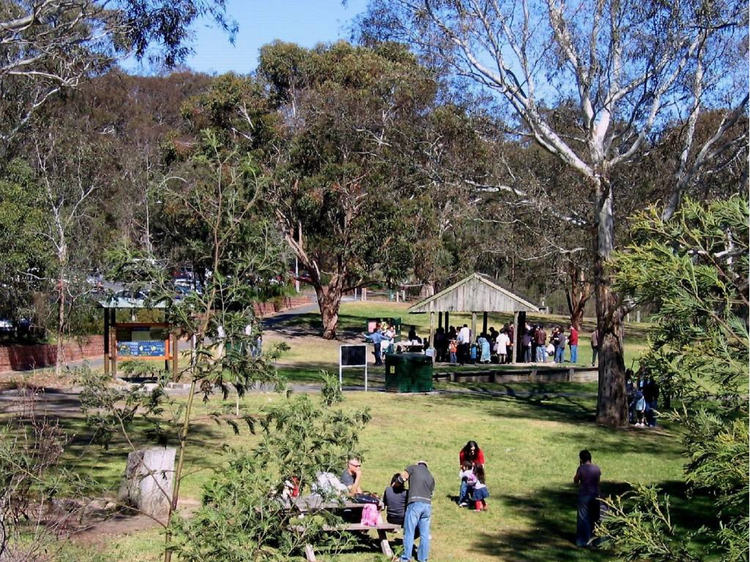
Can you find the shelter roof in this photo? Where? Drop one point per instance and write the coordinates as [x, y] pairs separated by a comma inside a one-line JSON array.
[[124, 300], [475, 293]]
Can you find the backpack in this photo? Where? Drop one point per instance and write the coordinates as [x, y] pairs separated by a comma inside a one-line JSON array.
[[640, 404], [371, 515]]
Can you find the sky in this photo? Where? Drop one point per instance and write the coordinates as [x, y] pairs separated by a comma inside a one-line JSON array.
[[305, 22]]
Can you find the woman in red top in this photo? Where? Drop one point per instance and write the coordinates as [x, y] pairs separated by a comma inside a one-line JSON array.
[[471, 453]]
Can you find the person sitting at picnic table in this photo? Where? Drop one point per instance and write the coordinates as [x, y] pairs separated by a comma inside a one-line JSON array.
[[394, 500], [352, 476]]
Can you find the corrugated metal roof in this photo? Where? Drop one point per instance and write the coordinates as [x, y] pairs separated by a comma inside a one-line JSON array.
[[119, 301], [476, 293]]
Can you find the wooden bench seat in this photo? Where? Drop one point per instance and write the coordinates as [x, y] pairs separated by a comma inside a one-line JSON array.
[[383, 529]]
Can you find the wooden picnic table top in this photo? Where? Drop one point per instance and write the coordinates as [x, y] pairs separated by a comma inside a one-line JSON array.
[[317, 503]]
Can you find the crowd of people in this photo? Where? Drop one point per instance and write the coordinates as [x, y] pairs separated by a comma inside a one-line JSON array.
[[458, 346]]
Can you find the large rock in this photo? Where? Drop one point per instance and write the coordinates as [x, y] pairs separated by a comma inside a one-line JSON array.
[[147, 483]]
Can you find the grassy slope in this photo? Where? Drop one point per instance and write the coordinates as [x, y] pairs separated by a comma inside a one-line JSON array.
[[531, 445]]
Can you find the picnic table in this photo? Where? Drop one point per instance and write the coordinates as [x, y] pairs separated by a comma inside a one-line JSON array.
[[311, 504]]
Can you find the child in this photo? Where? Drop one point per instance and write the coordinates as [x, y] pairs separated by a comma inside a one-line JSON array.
[[481, 493], [453, 350], [640, 409], [468, 481]]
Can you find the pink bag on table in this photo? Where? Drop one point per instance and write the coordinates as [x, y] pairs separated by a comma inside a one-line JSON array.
[[371, 515]]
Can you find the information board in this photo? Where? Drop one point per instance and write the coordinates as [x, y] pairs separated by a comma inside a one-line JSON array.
[[145, 348], [353, 355]]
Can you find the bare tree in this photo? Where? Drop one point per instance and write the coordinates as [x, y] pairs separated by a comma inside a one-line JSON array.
[[630, 67], [68, 184]]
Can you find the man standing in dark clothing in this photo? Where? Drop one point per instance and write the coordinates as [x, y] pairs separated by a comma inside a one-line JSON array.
[[418, 510], [587, 477], [651, 394]]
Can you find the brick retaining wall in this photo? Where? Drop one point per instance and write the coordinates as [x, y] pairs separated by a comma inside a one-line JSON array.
[[24, 357], [265, 308]]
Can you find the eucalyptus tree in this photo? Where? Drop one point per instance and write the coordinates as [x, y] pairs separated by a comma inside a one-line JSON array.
[[346, 200], [48, 46], [630, 66]]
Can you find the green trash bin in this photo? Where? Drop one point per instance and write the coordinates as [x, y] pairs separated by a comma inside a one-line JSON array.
[[408, 372]]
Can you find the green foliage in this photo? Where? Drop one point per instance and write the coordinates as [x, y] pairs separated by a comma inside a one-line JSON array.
[[34, 478], [113, 410], [302, 438], [695, 269], [24, 252], [640, 527], [245, 515]]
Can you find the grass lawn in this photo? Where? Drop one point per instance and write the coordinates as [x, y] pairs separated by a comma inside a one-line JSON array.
[[531, 444], [531, 434]]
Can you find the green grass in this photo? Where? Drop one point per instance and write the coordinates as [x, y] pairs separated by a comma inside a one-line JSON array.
[[531, 445], [531, 434]]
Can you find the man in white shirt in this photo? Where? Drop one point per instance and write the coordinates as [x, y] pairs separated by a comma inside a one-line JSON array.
[[464, 341]]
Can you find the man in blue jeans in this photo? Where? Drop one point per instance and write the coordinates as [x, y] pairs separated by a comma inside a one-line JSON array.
[[418, 509]]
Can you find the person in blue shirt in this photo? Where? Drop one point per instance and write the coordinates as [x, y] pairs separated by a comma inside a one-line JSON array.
[[377, 338]]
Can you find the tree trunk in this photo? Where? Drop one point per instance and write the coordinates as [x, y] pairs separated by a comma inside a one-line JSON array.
[[63, 258], [578, 294], [612, 407], [329, 301]]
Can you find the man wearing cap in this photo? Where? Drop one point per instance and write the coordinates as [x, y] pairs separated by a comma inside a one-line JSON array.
[[418, 509]]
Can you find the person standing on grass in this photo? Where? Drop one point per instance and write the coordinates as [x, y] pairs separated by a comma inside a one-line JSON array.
[[540, 337], [481, 493], [560, 349], [377, 338], [573, 344], [418, 509], [587, 477], [501, 346]]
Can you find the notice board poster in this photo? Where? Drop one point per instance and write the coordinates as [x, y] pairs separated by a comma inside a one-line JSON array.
[[152, 348]]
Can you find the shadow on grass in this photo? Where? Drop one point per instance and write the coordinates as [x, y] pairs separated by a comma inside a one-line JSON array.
[[106, 466], [538, 406], [550, 534], [308, 324]]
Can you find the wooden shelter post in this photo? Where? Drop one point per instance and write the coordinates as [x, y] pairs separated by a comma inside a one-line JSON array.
[[175, 357], [432, 328], [447, 321], [484, 322], [106, 342], [516, 339], [473, 326], [440, 319]]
